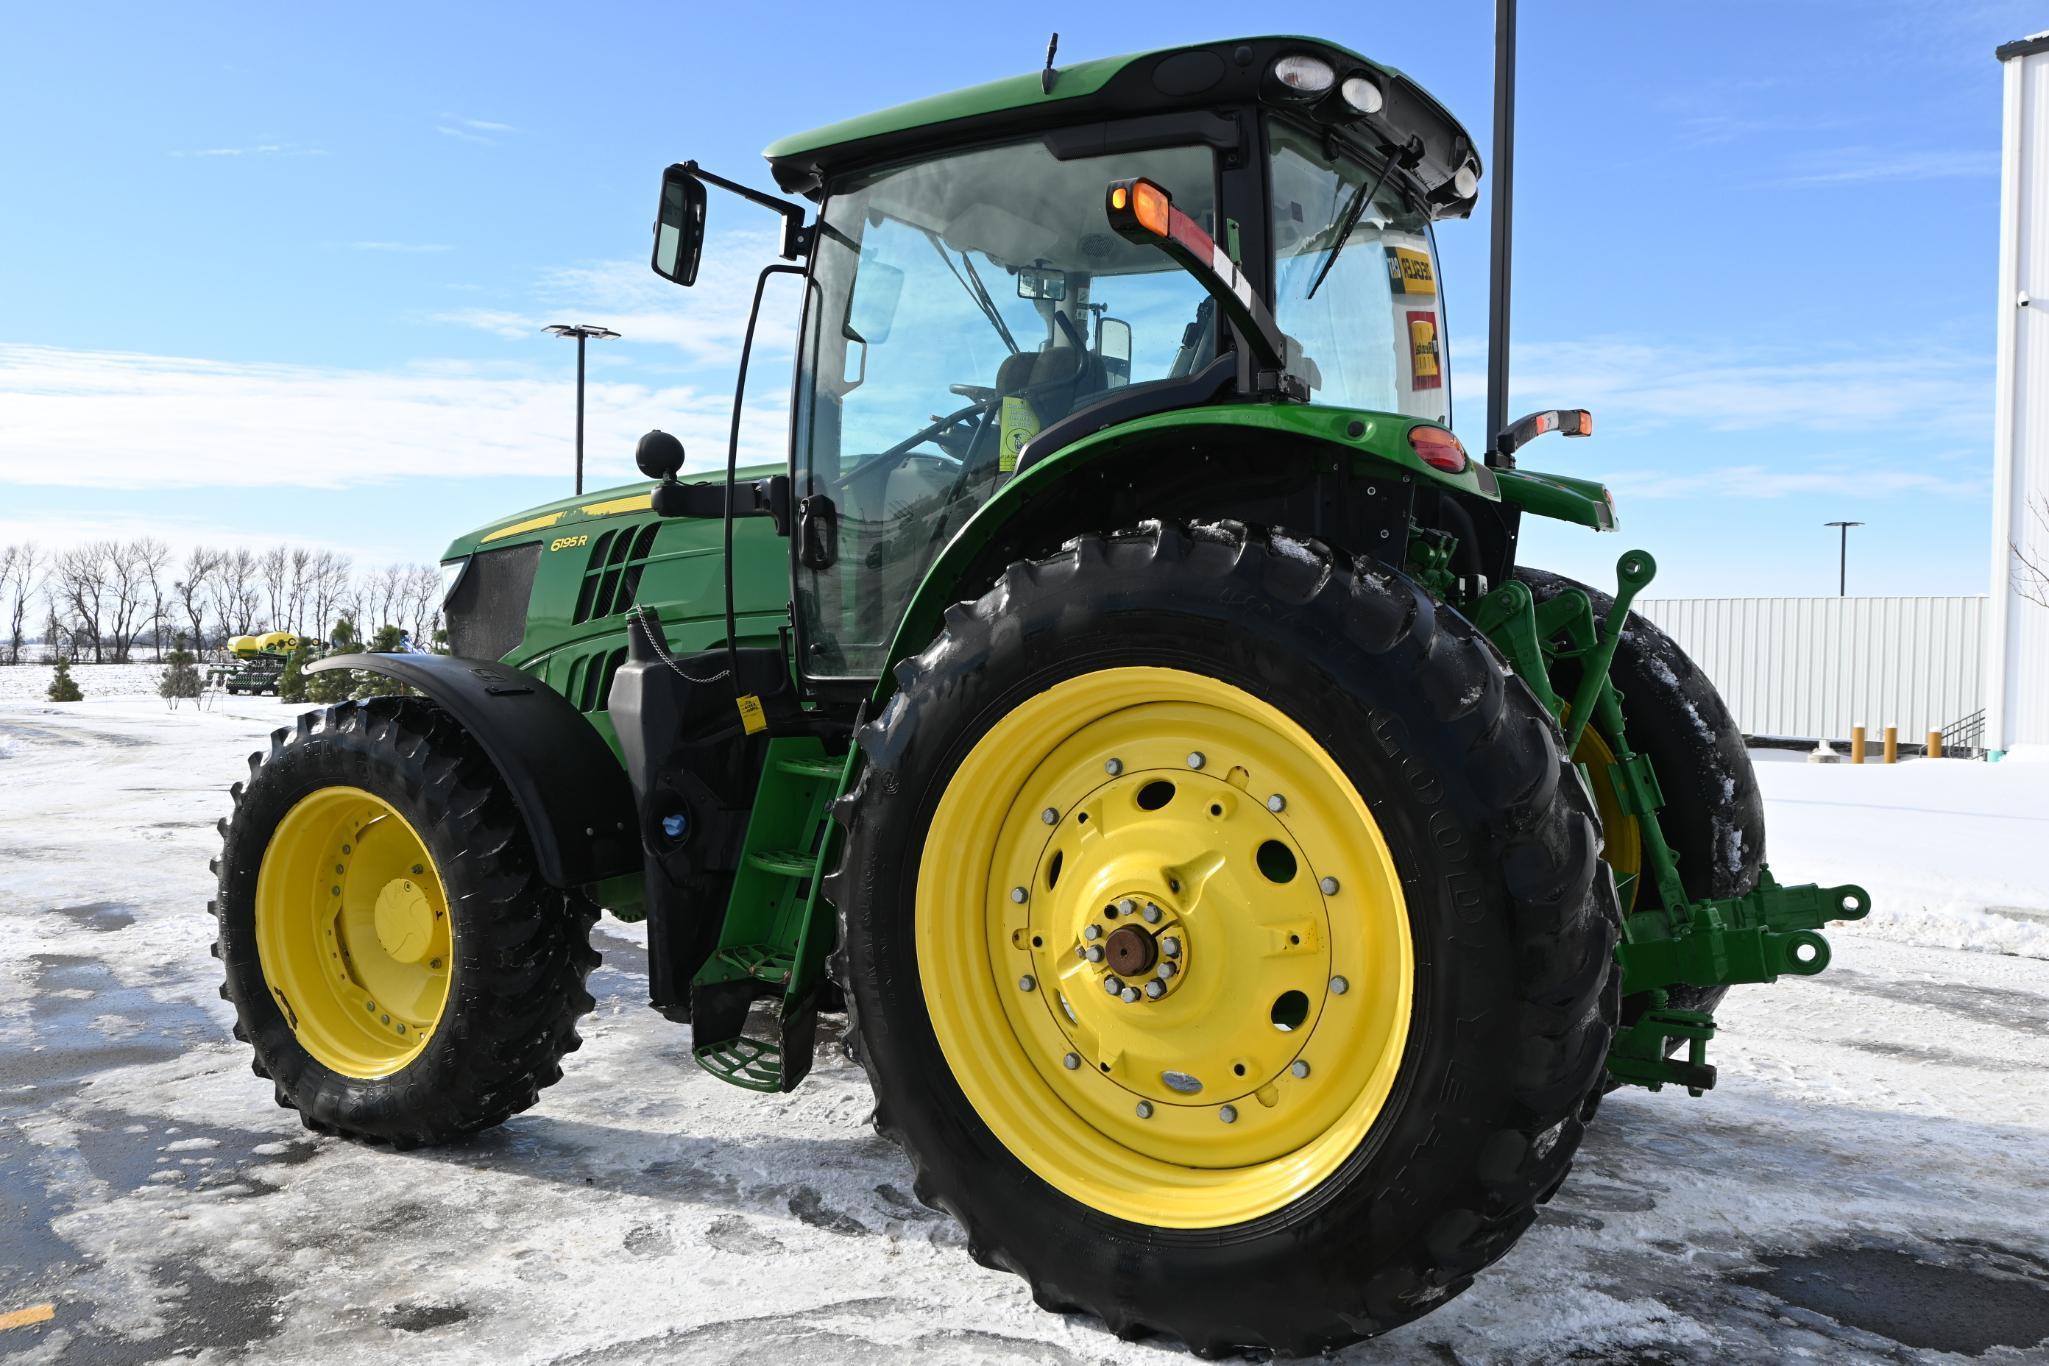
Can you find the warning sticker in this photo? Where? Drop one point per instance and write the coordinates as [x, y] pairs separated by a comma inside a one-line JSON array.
[[1424, 372], [752, 718], [1409, 272], [1020, 425]]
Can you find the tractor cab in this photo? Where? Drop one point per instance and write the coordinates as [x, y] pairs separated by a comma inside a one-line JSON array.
[[973, 306]]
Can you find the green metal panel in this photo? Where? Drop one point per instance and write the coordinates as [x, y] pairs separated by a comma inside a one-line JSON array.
[[1377, 442], [1560, 497]]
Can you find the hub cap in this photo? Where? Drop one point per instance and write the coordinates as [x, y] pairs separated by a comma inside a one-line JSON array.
[[352, 932], [1213, 927]]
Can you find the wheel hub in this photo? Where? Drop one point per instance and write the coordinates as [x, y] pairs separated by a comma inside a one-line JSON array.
[[1131, 951], [404, 920]]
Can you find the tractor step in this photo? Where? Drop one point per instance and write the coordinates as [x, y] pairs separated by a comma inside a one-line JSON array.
[[825, 770], [755, 1064], [787, 862], [771, 963]]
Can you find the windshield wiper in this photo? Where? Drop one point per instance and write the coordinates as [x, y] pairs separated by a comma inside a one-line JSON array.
[[975, 291], [1349, 220]]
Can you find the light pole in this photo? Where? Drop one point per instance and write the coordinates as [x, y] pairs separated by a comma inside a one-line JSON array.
[[583, 332], [1843, 563]]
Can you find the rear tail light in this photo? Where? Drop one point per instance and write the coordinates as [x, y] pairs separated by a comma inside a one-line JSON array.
[[1438, 448]]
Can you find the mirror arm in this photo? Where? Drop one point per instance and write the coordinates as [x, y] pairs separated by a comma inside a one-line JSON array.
[[1564, 421], [796, 236]]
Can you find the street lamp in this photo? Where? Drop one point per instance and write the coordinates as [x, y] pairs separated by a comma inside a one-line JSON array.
[[583, 332], [1843, 564]]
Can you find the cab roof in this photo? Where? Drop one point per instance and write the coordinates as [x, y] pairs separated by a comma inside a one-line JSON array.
[[1201, 76]]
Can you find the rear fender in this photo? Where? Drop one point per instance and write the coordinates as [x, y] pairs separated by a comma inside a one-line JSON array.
[[569, 788]]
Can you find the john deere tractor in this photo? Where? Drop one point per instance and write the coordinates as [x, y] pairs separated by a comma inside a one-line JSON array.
[[1241, 876]]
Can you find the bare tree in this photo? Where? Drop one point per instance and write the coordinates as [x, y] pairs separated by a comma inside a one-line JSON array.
[[422, 583], [79, 593], [127, 595], [330, 577], [18, 587], [295, 601], [241, 581], [153, 558], [199, 569], [2031, 562], [277, 579]]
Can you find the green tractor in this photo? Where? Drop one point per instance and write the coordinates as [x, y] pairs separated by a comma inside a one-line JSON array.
[[1242, 879]]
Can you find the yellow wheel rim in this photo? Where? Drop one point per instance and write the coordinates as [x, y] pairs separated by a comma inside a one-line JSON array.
[[352, 932], [1175, 835], [1622, 836]]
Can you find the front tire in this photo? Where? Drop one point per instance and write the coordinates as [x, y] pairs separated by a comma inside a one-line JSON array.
[[396, 962], [1405, 822]]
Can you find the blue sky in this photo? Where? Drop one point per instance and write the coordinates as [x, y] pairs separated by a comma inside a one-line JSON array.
[[279, 270]]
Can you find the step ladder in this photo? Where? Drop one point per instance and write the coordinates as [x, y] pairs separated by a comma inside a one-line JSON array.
[[773, 943]]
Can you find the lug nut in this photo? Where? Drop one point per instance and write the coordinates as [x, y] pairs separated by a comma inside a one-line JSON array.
[[1300, 1068], [1171, 946], [1329, 886], [1027, 983], [1196, 759], [1128, 995], [1339, 986], [1228, 1114], [1152, 914], [1093, 953], [1071, 1061], [1018, 894], [1092, 932], [1113, 767], [1050, 816], [1145, 1109], [1114, 985], [1126, 906], [1277, 803], [1166, 970], [1155, 989], [1081, 951]]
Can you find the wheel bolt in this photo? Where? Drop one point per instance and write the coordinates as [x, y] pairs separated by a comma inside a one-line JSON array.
[[1027, 983], [1092, 932], [1152, 914], [1093, 954], [1128, 995], [1339, 986], [1166, 970], [1145, 1109], [1228, 1114], [1126, 906], [1196, 759], [1155, 989], [1277, 803], [1171, 946], [1018, 894], [1329, 886], [1114, 985], [1050, 816], [1071, 1061], [1300, 1068], [1113, 767]]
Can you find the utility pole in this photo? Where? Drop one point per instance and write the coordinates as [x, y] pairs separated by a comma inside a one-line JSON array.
[[1500, 241], [1843, 562], [583, 332]]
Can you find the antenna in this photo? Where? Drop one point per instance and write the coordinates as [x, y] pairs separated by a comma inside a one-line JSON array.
[[1049, 75]]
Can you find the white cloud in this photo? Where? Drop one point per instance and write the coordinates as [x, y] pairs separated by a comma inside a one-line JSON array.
[[472, 130], [1854, 165], [127, 421], [401, 247], [260, 149]]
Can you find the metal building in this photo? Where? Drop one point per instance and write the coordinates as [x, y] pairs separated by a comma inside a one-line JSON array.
[[2017, 628]]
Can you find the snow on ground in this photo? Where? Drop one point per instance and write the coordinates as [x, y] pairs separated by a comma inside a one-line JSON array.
[[31, 682], [1868, 1183]]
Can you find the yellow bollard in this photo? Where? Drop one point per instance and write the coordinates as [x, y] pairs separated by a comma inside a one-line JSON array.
[[1935, 744], [1856, 744], [1892, 744]]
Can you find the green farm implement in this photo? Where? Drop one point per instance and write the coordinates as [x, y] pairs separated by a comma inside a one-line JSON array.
[[1242, 877]]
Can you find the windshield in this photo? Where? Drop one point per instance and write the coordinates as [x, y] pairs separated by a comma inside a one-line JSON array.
[[1370, 323], [961, 305]]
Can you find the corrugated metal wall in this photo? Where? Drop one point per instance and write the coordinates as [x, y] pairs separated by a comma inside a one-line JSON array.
[[1814, 667]]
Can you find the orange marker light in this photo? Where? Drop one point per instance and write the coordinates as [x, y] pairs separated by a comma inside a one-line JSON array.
[[1151, 206], [1119, 198]]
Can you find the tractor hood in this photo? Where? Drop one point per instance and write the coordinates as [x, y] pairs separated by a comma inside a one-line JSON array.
[[538, 523], [1205, 76]]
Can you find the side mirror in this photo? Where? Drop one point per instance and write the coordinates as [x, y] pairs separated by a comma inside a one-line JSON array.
[[1113, 348], [659, 455], [873, 307], [679, 227]]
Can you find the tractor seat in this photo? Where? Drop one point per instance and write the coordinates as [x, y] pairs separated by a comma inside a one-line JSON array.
[[1050, 383]]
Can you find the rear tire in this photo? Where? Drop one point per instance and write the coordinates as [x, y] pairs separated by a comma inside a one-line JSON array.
[[511, 986], [1509, 915]]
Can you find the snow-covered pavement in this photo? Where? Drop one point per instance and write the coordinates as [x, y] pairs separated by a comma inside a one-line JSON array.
[[1869, 1182]]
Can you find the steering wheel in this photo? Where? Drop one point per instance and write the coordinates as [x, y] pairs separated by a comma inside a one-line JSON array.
[[905, 449]]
